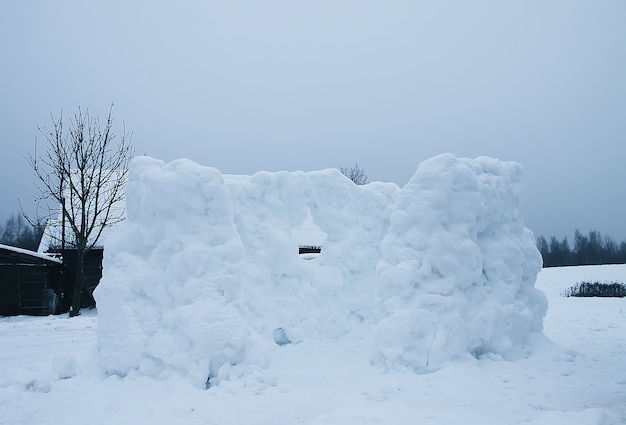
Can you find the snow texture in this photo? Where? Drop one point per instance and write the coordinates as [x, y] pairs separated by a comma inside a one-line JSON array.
[[204, 279], [574, 377]]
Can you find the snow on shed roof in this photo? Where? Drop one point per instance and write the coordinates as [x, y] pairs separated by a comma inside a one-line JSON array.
[[30, 253]]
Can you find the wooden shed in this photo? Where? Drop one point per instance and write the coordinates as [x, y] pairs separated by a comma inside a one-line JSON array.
[[30, 282], [92, 269]]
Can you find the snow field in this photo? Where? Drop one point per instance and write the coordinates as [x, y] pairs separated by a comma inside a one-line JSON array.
[[575, 378]]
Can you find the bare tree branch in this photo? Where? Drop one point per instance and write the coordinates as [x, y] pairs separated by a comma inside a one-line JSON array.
[[354, 173], [84, 171]]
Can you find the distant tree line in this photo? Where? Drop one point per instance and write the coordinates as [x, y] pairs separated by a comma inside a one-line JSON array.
[[18, 232], [590, 249]]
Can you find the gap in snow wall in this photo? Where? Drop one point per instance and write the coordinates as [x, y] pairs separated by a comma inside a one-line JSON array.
[[204, 275]]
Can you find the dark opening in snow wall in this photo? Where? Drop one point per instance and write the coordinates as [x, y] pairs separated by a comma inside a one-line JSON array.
[[206, 269]]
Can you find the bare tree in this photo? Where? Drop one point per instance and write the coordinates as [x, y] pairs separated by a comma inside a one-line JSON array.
[[83, 171], [355, 174]]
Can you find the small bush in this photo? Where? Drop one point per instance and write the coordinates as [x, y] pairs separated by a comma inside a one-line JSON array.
[[596, 289]]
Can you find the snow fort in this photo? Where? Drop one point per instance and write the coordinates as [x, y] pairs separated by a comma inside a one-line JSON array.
[[206, 275]]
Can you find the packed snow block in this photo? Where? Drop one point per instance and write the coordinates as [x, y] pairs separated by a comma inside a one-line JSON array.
[[204, 278], [206, 267], [459, 266], [166, 303]]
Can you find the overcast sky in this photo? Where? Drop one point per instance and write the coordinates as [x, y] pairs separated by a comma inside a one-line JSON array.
[[290, 85]]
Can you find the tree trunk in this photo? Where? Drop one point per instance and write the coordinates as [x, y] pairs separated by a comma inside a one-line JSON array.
[[78, 282]]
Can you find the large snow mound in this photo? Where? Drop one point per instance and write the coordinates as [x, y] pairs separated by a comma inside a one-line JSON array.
[[204, 276]]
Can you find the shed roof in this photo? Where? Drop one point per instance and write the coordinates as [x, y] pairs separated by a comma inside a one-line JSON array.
[[27, 255]]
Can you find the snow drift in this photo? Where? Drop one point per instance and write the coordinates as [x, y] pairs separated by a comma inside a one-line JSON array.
[[204, 276]]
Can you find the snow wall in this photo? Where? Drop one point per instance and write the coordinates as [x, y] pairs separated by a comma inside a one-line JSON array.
[[204, 276]]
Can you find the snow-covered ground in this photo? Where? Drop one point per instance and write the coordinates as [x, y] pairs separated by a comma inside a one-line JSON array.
[[422, 307], [49, 376]]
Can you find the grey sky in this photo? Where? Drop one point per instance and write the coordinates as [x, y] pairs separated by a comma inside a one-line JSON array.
[[273, 85]]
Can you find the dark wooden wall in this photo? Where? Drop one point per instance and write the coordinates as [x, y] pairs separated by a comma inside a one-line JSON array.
[[93, 274], [28, 286]]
